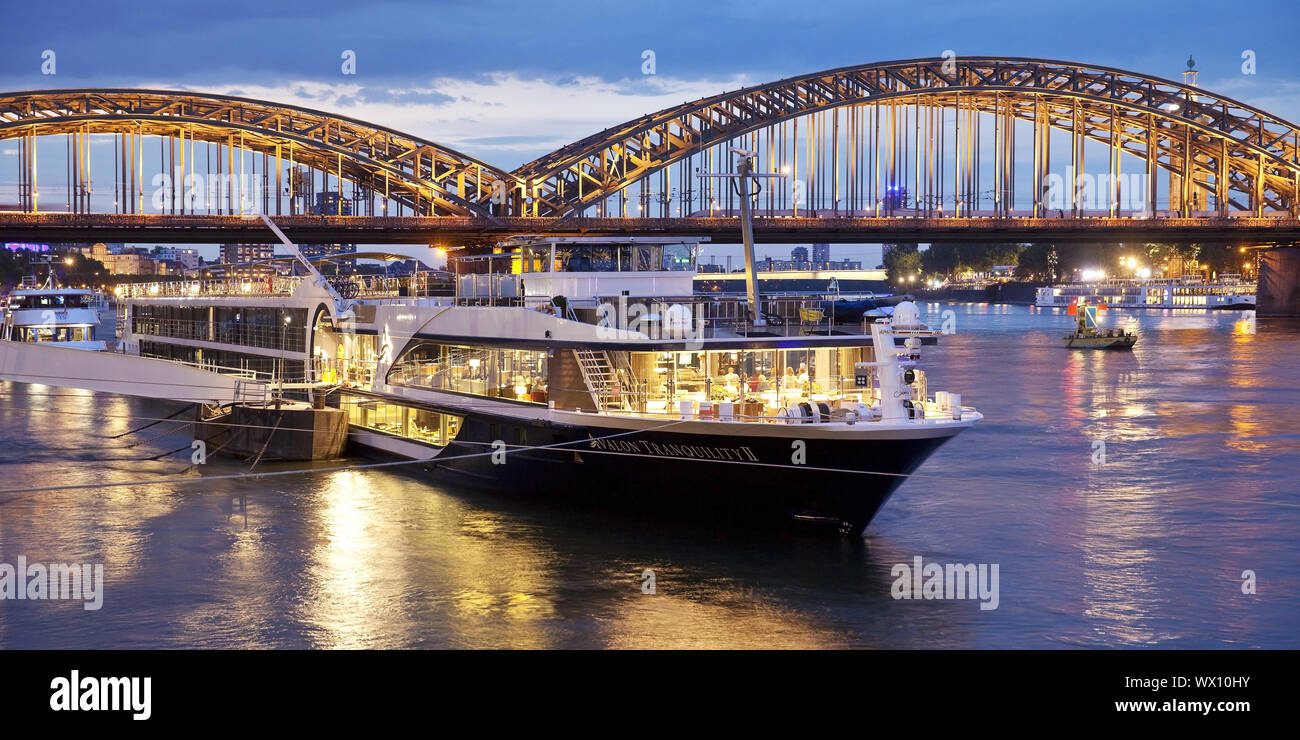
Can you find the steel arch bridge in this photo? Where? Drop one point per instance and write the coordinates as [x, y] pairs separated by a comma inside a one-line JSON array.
[[940, 131], [426, 177], [1216, 147]]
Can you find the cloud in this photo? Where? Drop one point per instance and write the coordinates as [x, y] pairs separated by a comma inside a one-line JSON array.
[[1278, 97], [503, 118]]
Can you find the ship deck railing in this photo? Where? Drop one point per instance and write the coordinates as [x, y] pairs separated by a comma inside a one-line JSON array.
[[280, 285], [933, 413], [244, 374], [727, 315], [422, 284]]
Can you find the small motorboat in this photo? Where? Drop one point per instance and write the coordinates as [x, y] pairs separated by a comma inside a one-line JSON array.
[[1087, 335]]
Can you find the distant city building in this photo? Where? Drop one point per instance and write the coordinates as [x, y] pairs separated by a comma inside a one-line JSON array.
[[118, 260], [772, 265], [332, 203], [188, 258], [236, 253], [821, 255], [243, 254], [131, 263], [895, 197]]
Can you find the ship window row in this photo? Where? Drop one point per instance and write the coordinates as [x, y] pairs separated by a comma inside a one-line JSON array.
[[1114, 291], [1107, 290], [419, 425], [54, 334], [49, 301], [515, 374], [265, 328], [587, 258], [763, 381], [1208, 290], [264, 367]]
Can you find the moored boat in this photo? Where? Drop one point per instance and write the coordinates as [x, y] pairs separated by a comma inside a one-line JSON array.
[[63, 317], [1190, 291], [545, 376]]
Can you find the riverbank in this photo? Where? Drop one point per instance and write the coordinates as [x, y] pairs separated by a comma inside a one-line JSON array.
[[1014, 293]]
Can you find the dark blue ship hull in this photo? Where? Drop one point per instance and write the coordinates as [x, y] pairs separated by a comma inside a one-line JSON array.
[[839, 485]]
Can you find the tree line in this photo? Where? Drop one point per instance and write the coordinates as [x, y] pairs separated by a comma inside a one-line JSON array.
[[17, 264]]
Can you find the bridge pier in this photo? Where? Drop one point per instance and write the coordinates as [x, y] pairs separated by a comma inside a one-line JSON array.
[[1279, 282]]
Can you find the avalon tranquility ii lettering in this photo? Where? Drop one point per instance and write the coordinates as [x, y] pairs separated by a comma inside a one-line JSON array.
[[697, 452]]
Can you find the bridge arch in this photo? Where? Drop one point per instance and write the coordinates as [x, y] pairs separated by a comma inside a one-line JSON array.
[[420, 174], [1216, 148]]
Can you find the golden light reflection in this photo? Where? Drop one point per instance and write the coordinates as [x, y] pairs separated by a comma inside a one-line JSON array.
[[667, 620], [350, 586], [1248, 426], [110, 516]]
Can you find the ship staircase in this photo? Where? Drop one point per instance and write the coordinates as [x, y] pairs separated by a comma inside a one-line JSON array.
[[612, 384]]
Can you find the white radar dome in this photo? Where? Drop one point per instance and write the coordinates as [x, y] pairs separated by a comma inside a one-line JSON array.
[[906, 314]]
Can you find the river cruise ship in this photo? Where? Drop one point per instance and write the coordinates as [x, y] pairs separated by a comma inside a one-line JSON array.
[[582, 369], [63, 317], [1227, 292]]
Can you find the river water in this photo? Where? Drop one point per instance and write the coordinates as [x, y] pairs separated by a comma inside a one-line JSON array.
[[1140, 542]]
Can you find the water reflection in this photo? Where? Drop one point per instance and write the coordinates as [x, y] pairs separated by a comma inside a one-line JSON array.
[[1143, 546]]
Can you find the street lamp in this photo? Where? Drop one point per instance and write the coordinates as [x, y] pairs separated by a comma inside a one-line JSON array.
[[284, 332]]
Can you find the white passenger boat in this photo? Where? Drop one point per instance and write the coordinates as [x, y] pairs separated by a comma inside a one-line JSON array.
[[1226, 292], [63, 317]]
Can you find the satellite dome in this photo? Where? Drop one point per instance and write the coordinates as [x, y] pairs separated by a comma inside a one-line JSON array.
[[906, 314]]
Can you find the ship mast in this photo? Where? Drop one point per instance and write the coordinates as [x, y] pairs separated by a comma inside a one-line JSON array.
[[744, 173]]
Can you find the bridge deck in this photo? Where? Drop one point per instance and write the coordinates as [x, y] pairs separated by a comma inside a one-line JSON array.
[[459, 230]]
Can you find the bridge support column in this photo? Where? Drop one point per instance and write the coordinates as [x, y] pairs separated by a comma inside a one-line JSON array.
[[1279, 282]]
